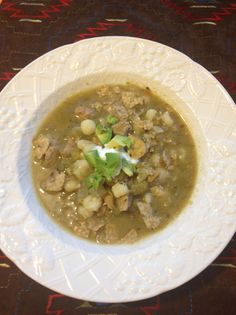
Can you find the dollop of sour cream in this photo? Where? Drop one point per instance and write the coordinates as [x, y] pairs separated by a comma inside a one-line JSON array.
[[102, 153]]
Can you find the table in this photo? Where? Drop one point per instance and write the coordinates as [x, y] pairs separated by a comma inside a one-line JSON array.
[[205, 31]]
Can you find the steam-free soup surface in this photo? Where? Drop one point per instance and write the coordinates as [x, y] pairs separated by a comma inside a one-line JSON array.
[[114, 164]]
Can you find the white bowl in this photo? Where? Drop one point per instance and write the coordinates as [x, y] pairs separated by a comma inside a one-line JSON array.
[[163, 261]]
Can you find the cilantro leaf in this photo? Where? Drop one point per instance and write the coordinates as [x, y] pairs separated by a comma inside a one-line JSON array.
[[94, 180], [104, 169], [111, 120], [119, 142], [112, 165], [103, 133], [92, 157]]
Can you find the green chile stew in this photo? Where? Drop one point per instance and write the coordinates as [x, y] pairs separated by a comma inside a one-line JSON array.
[[114, 164]]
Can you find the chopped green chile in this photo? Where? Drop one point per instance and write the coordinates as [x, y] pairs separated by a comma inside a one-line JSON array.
[[128, 168], [114, 185]]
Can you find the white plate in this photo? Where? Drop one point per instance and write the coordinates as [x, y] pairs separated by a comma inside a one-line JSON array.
[[161, 262]]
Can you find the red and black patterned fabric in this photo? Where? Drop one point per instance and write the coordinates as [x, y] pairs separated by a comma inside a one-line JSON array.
[[204, 30]]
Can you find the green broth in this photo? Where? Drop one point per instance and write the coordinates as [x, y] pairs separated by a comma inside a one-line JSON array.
[[172, 143]]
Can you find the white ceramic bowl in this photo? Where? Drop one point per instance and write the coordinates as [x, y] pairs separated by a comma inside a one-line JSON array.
[[161, 262]]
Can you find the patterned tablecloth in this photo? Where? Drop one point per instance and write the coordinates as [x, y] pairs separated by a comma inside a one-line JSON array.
[[205, 31]]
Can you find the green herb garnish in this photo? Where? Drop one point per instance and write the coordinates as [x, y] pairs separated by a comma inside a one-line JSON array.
[[94, 180], [92, 157], [111, 120], [112, 165], [103, 169], [103, 133], [119, 142]]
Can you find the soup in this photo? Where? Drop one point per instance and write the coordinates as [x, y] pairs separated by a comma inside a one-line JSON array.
[[114, 164]]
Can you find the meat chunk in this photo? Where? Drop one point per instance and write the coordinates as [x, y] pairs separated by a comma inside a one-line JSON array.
[[151, 221], [95, 223], [124, 202], [118, 110], [97, 105], [102, 211], [158, 191], [54, 182], [121, 112], [51, 155], [130, 237], [138, 147], [121, 128], [147, 124], [109, 201], [149, 173], [169, 159], [153, 176], [69, 148], [144, 171], [144, 208], [82, 230], [131, 100], [104, 91], [111, 233], [151, 141], [45, 149], [83, 112], [41, 145], [140, 125]]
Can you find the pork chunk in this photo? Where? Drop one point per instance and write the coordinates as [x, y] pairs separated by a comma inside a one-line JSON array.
[[109, 201], [131, 100], [41, 145], [51, 155], [124, 202], [121, 128], [151, 221], [138, 147], [54, 182], [130, 237], [158, 191], [69, 148], [83, 112], [95, 223], [45, 149], [104, 91], [118, 110]]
